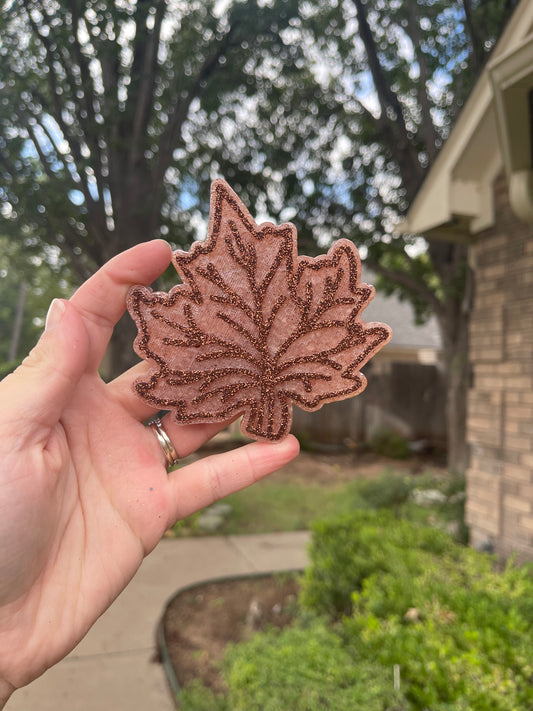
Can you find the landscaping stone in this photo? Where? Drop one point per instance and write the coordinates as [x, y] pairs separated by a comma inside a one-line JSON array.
[[213, 517], [428, 497]]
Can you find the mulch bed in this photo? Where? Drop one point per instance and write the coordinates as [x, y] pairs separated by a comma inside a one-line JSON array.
[[199, 622]]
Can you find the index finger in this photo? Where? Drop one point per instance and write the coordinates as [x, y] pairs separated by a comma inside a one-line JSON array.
[[101, 300]]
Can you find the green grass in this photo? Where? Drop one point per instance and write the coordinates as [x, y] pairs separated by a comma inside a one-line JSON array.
[[272, 506], [269, 506]]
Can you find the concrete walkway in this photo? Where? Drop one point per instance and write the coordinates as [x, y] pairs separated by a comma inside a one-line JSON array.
[[113, 667]]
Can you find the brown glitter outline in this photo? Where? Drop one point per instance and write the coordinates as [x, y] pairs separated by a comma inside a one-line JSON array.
[[258, 413]]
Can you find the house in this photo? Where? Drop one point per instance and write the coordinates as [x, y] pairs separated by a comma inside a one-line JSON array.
[[480, 190], [411, 342]]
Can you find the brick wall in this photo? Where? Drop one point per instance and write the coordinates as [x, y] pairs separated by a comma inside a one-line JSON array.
[[500, 402]]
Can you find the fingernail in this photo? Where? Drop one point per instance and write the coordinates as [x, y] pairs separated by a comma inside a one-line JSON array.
[[54, 315]]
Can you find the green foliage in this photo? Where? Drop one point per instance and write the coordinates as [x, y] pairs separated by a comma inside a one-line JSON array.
[[387, 491], [274, 505], [466, 644], [390, 444], [345, 551], [105, 106], [197, 697], [29, 276], [271, 506], [8, 367], [405, 596], [116, 117], [305, 668], [459, 629]]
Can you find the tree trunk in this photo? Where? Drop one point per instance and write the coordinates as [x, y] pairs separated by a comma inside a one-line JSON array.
[[457, 371], [454, 322], [120, 354]]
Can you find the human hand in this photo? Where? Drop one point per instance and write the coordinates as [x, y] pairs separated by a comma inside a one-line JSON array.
[[84, 492]]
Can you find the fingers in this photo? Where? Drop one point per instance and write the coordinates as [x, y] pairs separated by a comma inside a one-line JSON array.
[[101, 300], [40, 388], [207, 480]]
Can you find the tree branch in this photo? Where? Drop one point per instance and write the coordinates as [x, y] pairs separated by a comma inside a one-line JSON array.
[[387, 98], [172, 134], [409, 282], [427, 126], [391, 121], [477, 54], [147, 67]]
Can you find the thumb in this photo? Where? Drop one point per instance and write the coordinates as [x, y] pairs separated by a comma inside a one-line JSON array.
[[37, 392]]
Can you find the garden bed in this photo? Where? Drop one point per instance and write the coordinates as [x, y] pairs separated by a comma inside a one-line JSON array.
[[200, 621]]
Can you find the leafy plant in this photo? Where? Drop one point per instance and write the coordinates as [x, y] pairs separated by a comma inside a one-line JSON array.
[[387, 491], [389, 444], [459, 631], [9, 367], [305, 669], [345, 551], [430, 625], [197, 697]]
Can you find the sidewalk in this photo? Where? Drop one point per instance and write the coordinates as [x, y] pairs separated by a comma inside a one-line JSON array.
[[113, 668]]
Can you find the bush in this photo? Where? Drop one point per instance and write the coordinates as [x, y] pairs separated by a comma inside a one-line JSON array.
[[383, 593], [305, 669], [408, 595], [460, 632], [386, 491], [346, 551], [197, 697], [389, 444]]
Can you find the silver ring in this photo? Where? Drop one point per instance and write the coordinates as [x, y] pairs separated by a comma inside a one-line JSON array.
[[164, 440]]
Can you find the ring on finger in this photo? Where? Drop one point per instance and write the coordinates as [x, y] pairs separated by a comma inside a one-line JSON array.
[[164, 440]]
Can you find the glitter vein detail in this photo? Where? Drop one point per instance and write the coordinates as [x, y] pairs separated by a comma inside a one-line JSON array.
[[254, 328]]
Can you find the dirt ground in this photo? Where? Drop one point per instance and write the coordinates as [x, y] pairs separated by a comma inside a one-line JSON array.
[[200, 622]]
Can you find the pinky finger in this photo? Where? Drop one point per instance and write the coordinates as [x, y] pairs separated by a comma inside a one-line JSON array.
[[201, 483]]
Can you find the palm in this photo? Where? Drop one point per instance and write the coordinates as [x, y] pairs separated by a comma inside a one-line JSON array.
[[87, 495], [89, 515]]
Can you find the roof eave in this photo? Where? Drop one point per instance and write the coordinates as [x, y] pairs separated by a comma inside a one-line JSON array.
[[455, 200]]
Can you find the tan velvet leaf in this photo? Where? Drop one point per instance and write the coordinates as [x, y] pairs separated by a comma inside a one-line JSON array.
[[254, 328]]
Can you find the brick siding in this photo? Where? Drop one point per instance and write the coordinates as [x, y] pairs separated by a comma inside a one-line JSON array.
[[500, 403]]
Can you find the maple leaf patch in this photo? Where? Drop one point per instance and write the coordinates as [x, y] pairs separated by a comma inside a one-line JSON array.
[[254, 328]]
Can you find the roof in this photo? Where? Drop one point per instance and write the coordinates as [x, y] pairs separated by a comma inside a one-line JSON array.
[[400, 316], [457, 195]]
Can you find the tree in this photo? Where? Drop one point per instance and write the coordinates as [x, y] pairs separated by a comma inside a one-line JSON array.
[[30, 276], [393, 74], [95, 97], [423, 57], [117, 115]]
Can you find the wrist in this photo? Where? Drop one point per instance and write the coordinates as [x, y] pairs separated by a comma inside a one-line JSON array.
[[5, 692]]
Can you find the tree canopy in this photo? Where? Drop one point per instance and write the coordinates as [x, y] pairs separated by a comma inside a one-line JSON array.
[[116, 115]]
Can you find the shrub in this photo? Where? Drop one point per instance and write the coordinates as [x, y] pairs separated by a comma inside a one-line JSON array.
[[386, 491], [305, 669], [389, 444], [197, 697], [345, 551], [408, 595], [460, 632], [383, 593]]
